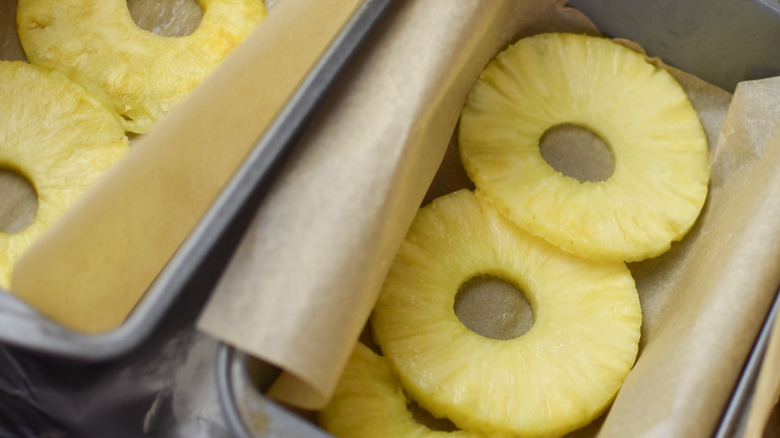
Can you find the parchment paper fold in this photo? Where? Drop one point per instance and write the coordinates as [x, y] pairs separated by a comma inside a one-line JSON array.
[[299, 289], [302, 284], [303, 281]]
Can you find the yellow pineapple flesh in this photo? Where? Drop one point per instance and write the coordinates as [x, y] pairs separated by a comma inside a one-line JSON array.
[[660, 153], [141, 74], [56, 136], [369, 402], [555, 378]]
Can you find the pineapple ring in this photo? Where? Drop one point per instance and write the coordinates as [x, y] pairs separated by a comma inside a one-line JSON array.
[[143, 75], [555, 378], [369, 402], [659, 148], [58, 137]]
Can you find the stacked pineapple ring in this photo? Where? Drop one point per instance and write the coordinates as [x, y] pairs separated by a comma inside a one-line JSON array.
[[554, 379], [94, 75], [369, 402], [661, 158], [565, 371], [583, 341], [57, 136], [142, 75]]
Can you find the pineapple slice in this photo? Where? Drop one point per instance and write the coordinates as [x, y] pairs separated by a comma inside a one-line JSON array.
[[661, 164], [369, 402], [59, 138], [555, 378], [143, 75]]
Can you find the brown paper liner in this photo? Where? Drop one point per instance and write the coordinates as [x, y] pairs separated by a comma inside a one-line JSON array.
[[761, 114], [102, 256], [303, 281], [704, 301], [696, 334]]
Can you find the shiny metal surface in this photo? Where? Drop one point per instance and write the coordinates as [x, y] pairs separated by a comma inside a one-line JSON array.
[[207, 249]]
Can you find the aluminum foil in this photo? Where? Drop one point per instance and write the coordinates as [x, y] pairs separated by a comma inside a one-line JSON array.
[[166, 388]]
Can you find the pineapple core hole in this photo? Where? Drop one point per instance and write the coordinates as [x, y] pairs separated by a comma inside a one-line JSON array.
[[19, 203], [577, 152], [493, 308], [168, 18]]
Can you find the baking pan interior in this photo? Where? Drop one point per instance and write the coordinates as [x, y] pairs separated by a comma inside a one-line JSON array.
[[198, 262], [724, 42]]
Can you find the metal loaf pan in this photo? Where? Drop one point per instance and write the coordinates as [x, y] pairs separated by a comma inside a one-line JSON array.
[[201, 257], [732, 41]]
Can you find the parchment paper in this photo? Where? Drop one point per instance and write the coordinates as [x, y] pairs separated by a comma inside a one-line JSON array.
[[705, 301], [105, 252], [760, 110], [305, 278], [302, 283]]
